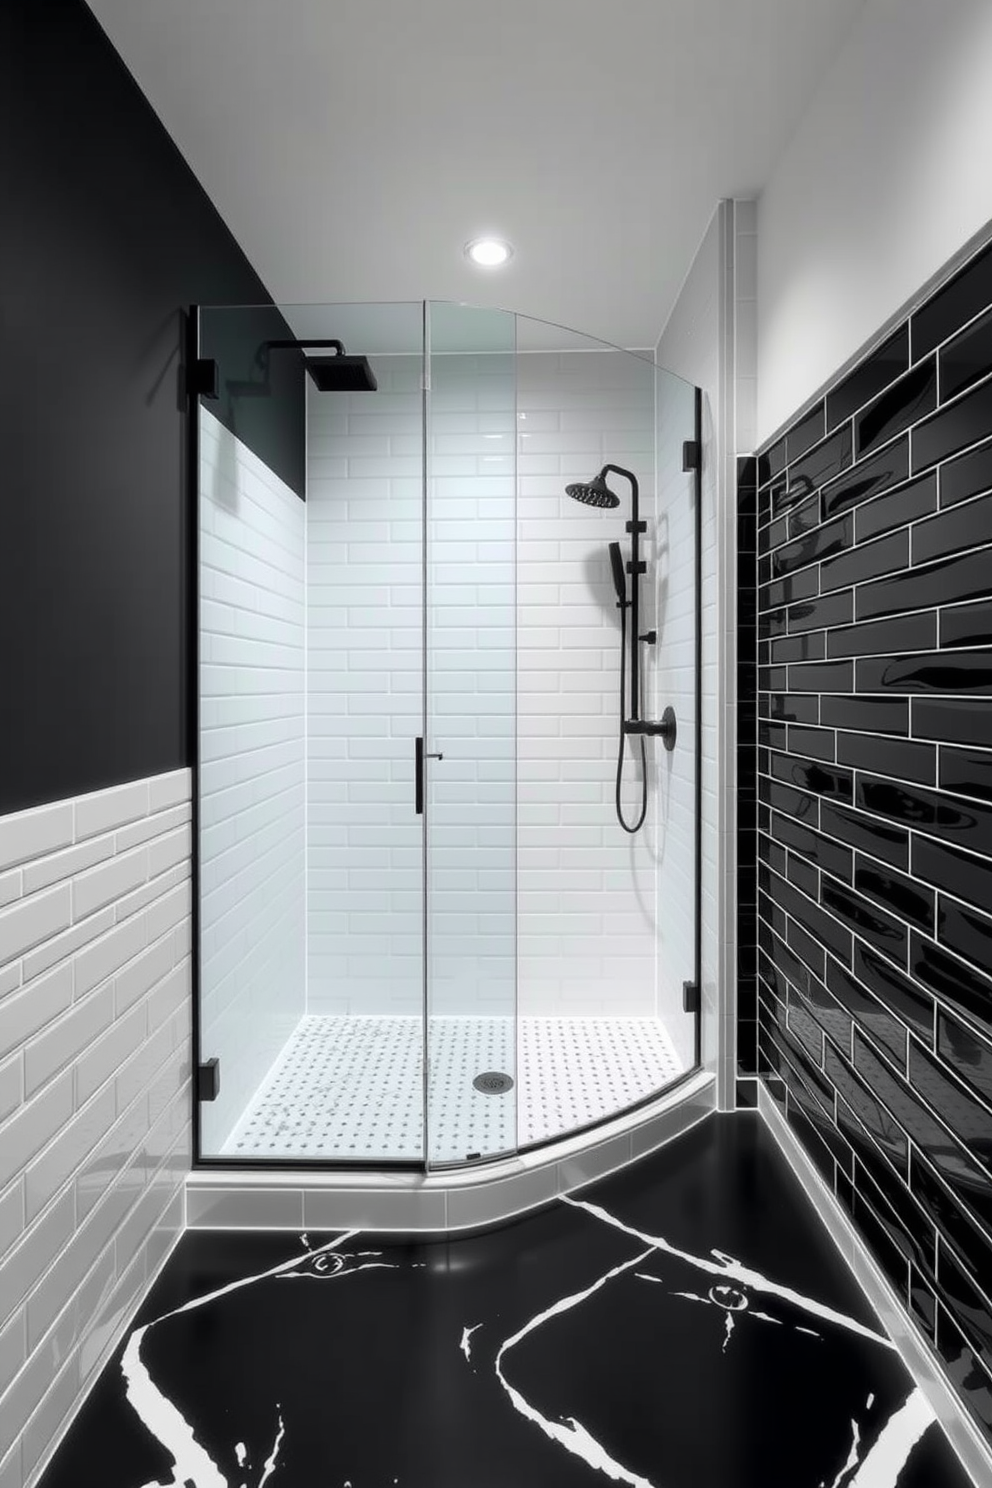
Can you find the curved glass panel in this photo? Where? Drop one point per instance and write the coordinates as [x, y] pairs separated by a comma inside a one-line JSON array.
[[605, 915]]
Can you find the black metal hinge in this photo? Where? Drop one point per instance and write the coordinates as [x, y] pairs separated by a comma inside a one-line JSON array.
[[203, 378], [690, 996], [691, 454], [208, 1080]]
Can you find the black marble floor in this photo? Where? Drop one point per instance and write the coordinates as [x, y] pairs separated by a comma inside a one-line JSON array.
[[683, 1324]]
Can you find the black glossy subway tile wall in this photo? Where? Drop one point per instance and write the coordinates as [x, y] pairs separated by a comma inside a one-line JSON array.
[[953, 305], [818, 544], [866, 1009], [966, 476], [896, 507], [968, 672], [889, 843], [970, 1057], [960, 873], [963, 422], [954, 720], [968, 991], [885, 555], [868, 478], [902, 757], [966, 526], [915, 632], [821, 464], [963, 576], [807, 432], [967, 625], [966, 359], [869, 377], [900, 406], [968, 771]]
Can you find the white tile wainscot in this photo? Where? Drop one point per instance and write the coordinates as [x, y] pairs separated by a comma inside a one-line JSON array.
[[95, 1006]]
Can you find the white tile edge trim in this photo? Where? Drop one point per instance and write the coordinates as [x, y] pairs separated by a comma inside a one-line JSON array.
[[123, 1327], [920, 1360], [608, 1148]]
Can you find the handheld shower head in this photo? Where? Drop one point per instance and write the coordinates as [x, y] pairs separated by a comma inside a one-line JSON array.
[[619, 576]]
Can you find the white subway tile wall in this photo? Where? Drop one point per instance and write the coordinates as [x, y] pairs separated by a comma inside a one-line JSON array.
[[589, 928], [95, 1006], [252, 775], [364, 695], [587, 907], [472, 717]]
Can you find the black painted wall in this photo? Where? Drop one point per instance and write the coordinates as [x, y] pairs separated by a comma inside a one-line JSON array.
[[873, 871], [106, 236]]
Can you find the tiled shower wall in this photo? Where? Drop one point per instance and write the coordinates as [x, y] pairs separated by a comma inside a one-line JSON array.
[[252, 829], [586, 889], [95, 1006], [874, 814], [585, 893], [365, 694]]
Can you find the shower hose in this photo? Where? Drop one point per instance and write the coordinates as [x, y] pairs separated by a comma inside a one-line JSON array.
[[623, 713]]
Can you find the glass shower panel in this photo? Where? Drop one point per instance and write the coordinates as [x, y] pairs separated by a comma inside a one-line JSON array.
[[311, 703], [424, 933], [471, 735], [597, 981], [365, 699], [251, 802], [676, 609]]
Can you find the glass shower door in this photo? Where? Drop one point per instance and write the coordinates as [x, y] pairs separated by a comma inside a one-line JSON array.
[[310, 513], [470, 731]]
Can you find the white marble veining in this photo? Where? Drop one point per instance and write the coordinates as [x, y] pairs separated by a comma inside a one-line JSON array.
[[739, 1285]]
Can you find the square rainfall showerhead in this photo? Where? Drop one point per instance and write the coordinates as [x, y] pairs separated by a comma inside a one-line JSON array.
[[341, 374]]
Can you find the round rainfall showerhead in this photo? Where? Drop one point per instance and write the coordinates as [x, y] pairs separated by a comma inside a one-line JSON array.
[[593, 493]]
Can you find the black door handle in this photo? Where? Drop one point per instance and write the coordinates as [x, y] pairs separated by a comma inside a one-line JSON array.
[[418, 772]]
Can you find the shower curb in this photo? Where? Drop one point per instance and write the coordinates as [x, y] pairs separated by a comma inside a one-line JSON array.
[[923, 1365], [447, 1202]]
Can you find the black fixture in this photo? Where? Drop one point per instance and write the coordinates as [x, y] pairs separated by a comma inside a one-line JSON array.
[[665, 729], [418, 772], [203, 379], [208, 1080], [597, 493], [619, 577], [339, 373]]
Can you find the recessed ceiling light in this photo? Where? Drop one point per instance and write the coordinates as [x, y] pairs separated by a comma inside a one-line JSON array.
[[488, 253]]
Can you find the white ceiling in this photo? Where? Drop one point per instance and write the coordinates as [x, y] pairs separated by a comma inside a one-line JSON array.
[[354, 146]]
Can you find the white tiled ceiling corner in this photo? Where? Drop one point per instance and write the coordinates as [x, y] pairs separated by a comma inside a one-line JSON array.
[[354, 146]]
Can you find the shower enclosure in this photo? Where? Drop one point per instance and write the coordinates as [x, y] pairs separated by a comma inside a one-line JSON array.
[[423, 936]]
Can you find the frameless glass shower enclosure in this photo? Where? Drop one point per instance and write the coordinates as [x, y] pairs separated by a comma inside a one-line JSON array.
[[427, 932]]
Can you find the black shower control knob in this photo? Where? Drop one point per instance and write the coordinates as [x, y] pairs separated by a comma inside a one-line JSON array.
[[664, 728]]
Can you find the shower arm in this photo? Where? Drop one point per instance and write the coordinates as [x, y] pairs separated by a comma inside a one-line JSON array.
[[333, 344], [635, 568]]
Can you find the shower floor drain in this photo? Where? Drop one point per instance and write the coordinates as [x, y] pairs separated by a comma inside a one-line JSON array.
[[493, 1082]]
